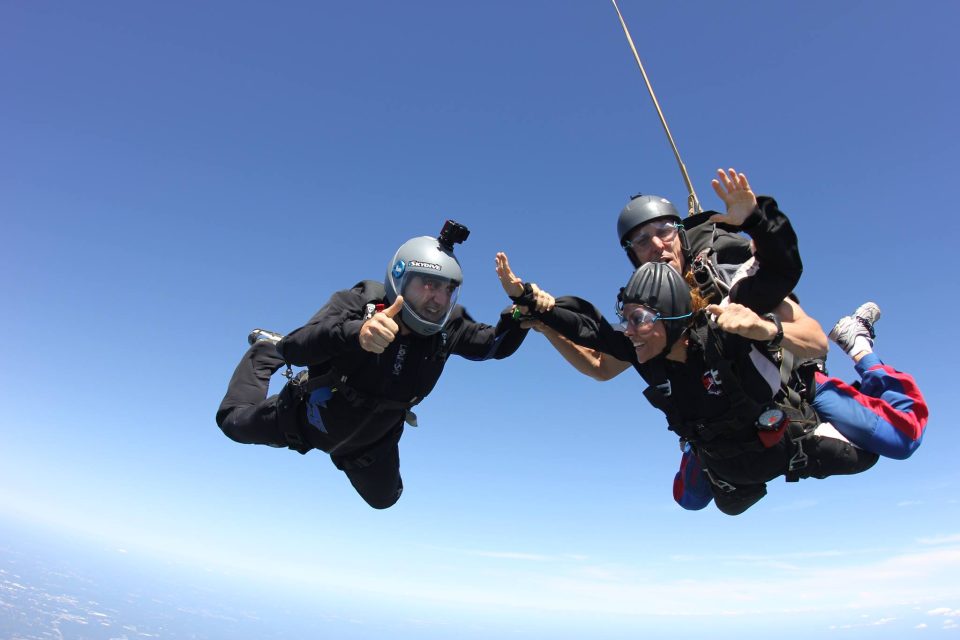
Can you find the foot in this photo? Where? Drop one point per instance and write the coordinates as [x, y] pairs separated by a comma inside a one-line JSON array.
[[854, 334], [263, 334]]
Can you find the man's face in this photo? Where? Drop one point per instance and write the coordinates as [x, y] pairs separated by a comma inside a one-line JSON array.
[[657, 241], [645, 330], [429, 297]]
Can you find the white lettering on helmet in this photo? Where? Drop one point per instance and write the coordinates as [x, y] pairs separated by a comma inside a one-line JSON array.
[[424, 265]]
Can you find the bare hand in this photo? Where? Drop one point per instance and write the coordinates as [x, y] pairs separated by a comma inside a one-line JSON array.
[[378, 332], [734, 190], [512, 285], [743, 321], [543, 301]]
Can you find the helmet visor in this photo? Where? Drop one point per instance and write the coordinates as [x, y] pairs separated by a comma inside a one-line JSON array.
[[430, 297]]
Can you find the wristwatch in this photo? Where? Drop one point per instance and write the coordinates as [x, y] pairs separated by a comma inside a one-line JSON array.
[[771, 419], [775, 340]]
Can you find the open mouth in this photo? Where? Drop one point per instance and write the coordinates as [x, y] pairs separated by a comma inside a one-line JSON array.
[[433, 312]]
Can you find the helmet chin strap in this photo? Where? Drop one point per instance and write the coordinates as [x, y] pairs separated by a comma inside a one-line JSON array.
[[672, 342]]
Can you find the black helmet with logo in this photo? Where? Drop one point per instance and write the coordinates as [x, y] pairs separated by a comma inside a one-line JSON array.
[[658, 286]]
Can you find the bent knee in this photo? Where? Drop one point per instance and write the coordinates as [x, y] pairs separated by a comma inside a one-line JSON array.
[[383, 502], [739, 500], [222, 415], [229, 429], [834, 457], [900, 450]]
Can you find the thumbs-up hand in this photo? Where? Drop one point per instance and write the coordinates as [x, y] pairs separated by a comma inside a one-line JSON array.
[[378, 332]]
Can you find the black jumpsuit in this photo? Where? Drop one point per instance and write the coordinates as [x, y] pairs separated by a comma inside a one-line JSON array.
[[359, 420], [693, 393]]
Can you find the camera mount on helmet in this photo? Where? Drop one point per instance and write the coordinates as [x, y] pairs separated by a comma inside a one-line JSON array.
[[452, 233]]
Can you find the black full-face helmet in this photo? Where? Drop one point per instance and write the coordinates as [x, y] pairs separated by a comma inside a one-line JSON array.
[[431, 261], [642, 209], [658, 286]]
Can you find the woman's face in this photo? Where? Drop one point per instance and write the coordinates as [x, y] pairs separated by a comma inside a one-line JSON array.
[[648, 335]]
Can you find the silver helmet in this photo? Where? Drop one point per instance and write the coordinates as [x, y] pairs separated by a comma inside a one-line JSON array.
[[428, 276]]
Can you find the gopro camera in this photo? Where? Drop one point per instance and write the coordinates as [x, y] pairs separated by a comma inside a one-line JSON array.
[[451, 234]]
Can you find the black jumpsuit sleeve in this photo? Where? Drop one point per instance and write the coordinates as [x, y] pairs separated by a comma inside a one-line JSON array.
[[729, 246], [333, 330], [581, 322], [477, 341], [778, 256]]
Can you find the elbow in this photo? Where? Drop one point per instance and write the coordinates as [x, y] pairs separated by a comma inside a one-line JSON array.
[[601, 375], [822, 347], [813, 348], [808, 353], [819, 345]]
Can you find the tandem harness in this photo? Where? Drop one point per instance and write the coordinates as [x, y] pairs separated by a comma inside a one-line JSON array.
[[746, 425]]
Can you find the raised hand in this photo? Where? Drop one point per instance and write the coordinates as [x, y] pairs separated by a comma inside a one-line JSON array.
[[734, 190], [512, 285], [378, 332]]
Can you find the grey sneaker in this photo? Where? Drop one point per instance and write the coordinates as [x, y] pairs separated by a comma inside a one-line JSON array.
[[263, 334], [849, 328]]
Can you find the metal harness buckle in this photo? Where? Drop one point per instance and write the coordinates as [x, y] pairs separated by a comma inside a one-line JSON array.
[[799, 460], [723, 485]]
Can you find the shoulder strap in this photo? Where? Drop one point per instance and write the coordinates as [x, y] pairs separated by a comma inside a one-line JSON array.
[[711, 285]]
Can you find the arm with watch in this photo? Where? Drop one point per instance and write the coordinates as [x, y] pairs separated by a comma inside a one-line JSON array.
[[788, 326], [801, 334], [775, 271]]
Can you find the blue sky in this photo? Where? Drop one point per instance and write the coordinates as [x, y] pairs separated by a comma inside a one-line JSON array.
[[173, 175]]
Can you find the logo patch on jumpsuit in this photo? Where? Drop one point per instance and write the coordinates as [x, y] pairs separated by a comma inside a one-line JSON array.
[[398, 362], [711, 382]]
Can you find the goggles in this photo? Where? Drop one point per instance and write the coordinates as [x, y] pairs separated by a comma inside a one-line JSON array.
[[642, 315], [665, 230]]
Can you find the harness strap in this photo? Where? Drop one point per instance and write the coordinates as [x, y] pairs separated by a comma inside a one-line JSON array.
[[799, 429], [711, 285], [719, 483], [288, 421]]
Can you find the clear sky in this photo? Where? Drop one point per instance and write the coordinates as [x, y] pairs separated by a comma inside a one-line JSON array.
[[175, 174]]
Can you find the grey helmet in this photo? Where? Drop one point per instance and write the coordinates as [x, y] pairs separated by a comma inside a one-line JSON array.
[[642, 209], [658, 286], [426, 264]]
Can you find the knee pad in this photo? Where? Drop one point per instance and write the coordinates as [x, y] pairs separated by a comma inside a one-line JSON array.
[[735, 502], [832, 457]]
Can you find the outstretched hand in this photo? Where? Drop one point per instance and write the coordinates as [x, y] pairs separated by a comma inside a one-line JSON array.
[[512, 285], [379, 331], [743, 321], [734, 190]]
